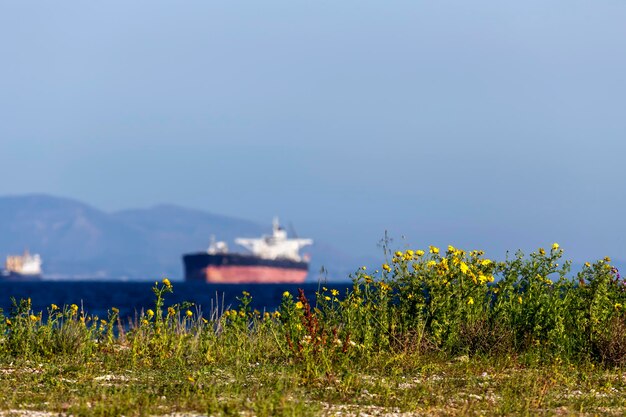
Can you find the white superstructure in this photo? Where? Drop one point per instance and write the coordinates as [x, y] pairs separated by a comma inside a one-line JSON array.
[[275, 246], [26, 264]]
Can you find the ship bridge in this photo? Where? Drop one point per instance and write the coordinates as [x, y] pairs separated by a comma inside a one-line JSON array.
[[275, 246]]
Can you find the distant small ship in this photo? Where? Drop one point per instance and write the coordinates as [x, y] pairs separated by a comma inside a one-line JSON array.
[[24, 267], [274, 259]]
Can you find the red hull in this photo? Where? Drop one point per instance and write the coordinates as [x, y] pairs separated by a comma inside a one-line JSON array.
[[232, 274]]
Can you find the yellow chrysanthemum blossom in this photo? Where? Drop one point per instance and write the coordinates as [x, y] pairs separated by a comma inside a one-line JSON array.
[[386, 267], [166, 282], [286, 294], [555, 246], [470, 301], [299, 305], [464, 267], [433, 249], [189, 313], [419, 252]]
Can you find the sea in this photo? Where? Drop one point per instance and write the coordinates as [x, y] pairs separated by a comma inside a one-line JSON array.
[[97, 297]]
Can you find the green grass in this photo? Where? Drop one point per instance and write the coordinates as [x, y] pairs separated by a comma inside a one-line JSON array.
[[428, 334]]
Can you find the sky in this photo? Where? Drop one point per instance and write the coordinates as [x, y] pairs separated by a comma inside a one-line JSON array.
[[494, 125]]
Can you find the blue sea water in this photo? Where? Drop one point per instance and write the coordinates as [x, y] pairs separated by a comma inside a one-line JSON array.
[[131, 297]]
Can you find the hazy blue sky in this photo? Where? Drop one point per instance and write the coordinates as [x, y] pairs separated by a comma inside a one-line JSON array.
[[485, 124]]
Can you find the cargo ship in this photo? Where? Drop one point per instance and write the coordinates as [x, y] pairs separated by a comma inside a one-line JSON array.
[[24, 267], [272, 259]]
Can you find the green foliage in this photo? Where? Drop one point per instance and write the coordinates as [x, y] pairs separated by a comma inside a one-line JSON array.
[[422, 304]]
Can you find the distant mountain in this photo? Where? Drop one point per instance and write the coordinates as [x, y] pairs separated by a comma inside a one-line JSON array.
[[76, 240]]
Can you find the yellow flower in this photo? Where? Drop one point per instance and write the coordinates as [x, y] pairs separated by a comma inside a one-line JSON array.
[[409, 253], [115, 310], [166, 282], [470, 301], [485, 262], [451, 249], [8, 322], [33, 318], [103, 322], [334, 292], [555, 246], [266, 315], [482, 278], [363, 267], [444, 264], [431, 263], [327, 298], [398, 253], [245, 293], [607, 259], [519, 299], [433, 249], [144, 322], [542, 251], [150, 313], [276, 314], [386, 267], [299, 305], [464, 268], [189, 313], [618, 306], [54, 307], [286, 294], [419, 252], [587, 264], [171, 311]]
